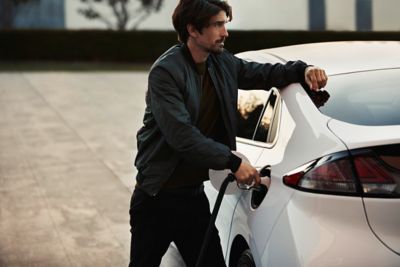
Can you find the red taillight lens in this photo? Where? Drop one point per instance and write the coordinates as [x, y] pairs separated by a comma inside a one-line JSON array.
[[329, 176], [376, 176], [376, 171]]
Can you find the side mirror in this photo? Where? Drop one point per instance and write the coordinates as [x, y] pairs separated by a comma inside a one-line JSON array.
[[218, 176]]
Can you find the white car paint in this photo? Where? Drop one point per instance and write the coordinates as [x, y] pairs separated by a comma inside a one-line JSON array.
[[334, 56], [301, 229], [366, 135]]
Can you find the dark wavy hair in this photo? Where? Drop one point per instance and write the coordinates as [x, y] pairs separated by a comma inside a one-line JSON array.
[[197, 13]]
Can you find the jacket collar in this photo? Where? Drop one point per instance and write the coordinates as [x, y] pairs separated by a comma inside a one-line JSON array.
[[188, 56]]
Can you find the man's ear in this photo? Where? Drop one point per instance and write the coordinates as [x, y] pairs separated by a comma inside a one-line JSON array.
[[193, 32]]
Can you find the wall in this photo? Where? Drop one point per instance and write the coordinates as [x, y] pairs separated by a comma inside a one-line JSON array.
[[275, 15], [338, 15]]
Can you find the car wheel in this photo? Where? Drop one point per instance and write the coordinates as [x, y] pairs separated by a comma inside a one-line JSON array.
[[246, 259]]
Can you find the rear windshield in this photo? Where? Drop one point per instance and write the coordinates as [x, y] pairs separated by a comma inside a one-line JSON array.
[[364, 98]]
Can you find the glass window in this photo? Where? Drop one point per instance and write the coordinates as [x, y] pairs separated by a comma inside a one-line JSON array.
[[267, 126], [364, 98], [258, 113], [250, 106]]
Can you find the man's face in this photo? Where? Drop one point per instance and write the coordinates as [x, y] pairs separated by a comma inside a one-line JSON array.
[[212, 37]]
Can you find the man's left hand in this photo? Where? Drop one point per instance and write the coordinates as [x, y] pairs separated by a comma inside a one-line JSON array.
[[315, 77]]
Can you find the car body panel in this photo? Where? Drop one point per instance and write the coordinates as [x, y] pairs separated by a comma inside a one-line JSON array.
[[363, 135], [339, 57], [302, 229], [227, 211], [253, 151], [385, 221], [324, 230], [260, 57], [283, 157], [383, 217], [301, 125]]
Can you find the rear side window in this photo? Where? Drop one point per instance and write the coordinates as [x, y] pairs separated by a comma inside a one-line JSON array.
[[258, 115], [364, 98]]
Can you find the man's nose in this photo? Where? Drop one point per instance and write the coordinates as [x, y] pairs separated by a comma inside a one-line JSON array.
[[225, 32]]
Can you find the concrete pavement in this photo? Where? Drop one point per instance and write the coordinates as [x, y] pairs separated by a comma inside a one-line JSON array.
[[67, 144]]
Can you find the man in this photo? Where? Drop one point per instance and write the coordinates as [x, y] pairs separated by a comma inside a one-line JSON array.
[[189, 128]]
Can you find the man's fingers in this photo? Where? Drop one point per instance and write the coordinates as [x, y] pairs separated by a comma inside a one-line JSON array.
[[247, 174], [257, 179], [316, 78], [321, 78], [324, 79], [312, 81]]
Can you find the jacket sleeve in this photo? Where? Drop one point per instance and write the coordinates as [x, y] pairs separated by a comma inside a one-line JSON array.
[[173, 119], [253, 75]]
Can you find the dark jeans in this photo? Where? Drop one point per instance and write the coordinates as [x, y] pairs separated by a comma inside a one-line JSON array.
[[169, 217]]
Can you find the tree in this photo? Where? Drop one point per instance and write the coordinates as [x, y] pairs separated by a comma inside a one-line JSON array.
[[126, 18]]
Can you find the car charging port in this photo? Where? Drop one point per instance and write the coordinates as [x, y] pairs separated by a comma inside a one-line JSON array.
[[260, 191]]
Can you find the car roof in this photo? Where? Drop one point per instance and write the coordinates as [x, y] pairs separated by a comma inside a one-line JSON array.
[[335, 57]]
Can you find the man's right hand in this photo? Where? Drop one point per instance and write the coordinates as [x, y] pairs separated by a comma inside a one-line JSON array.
[[247, 174]]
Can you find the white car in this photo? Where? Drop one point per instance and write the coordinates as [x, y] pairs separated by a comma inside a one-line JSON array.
[[331, 195]]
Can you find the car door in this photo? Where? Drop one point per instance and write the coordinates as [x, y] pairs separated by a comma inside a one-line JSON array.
[[263, 209], [255, 136]]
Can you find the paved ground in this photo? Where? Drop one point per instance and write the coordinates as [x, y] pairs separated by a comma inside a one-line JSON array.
[[67, 143]]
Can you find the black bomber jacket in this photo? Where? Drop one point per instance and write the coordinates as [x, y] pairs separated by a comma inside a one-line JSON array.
[[172, 109]]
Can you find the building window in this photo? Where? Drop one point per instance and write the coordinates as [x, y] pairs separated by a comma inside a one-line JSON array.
[[317, 15], [364, 15]]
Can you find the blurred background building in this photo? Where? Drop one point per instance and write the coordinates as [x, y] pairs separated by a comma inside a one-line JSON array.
[[338, 15], [43, 14]]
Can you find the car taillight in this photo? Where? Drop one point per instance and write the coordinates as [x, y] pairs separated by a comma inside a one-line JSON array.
[[376, 176], [367, 172], [330, 174]]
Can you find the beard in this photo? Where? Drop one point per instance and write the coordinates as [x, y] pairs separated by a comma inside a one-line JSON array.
[[217, 48]]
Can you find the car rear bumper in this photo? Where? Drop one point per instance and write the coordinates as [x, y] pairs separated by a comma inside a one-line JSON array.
[[325, 230]]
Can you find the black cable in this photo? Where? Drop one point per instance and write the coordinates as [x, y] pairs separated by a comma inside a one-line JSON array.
[[230, 178]]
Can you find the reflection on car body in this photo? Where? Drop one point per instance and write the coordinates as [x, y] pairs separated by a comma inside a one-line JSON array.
[[334, 163]]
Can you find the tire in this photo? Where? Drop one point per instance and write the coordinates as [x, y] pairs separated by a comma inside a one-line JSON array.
[[246, 259]]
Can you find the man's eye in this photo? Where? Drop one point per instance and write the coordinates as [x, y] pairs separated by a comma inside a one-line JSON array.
[[218, 24]]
